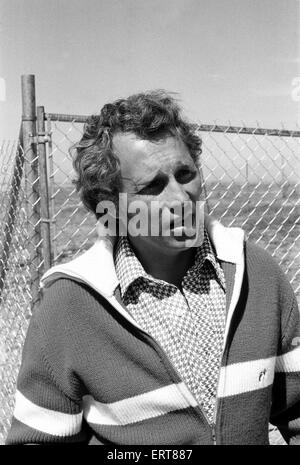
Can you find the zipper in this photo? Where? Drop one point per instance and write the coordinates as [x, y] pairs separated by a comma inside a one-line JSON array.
[[136, 326], [217, 387], [228, 324], [166, 361], [216, 405], [212, 425], [213, 433]]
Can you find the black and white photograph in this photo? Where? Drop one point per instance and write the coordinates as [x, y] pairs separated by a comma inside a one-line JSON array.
[[149, 225]]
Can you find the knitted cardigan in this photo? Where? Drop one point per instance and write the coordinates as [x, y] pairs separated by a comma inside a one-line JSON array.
[[90, 374]]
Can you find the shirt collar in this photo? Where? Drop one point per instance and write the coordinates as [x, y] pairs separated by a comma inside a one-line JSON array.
[[129, 268], [96, 266], [206, 252]]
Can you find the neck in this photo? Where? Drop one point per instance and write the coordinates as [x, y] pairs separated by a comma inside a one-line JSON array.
[[161, 264]]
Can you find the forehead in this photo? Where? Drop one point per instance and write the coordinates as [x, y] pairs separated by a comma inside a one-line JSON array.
[[142, 157]]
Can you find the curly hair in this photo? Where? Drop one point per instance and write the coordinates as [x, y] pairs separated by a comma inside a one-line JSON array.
[[151, 115]]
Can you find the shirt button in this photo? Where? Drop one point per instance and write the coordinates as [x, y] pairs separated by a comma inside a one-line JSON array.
[[180, 312], [212, 400]]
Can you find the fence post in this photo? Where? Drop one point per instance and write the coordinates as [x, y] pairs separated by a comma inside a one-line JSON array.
[[32, 182], [51, 189], [44, 194]]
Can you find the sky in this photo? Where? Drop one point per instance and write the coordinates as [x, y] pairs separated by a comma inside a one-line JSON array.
[[229, 60]]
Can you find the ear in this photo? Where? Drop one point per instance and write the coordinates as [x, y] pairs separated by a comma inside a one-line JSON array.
[[209, 221], [105, 232]]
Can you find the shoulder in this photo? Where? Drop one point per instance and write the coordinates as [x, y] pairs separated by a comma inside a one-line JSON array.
[[66, 303], [265, 270], [258, 256], [67, 292]]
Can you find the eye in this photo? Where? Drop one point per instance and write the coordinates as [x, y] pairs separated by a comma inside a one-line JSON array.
[[185, 175], [155, 187]]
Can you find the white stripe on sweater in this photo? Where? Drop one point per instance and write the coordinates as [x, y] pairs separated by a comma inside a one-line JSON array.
[[138, 408], [289, 362], [45, 420], [245, 377], [256, 374]]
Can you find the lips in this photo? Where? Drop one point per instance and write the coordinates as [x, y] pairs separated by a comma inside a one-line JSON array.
[[180, 222]]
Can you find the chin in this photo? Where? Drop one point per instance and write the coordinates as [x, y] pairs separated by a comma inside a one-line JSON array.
[[171, 243], [182, 242]]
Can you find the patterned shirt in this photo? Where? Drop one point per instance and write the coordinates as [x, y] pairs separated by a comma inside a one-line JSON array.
[[189, 324]]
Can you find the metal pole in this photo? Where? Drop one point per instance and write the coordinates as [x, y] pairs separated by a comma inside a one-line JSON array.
[[32, 182], [51, 190], [243, 130], [67, 118], [45, 216]]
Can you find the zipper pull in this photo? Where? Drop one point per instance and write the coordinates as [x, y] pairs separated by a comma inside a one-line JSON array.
[[213, 433]]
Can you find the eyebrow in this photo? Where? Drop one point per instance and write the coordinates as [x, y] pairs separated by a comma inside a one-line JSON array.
[[146, 182], [139, 182]]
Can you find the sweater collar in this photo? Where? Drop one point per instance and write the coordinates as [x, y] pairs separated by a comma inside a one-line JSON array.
[[96, 267], [129, 269]]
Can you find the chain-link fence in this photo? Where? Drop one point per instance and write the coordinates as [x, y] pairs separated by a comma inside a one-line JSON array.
[[17, 270], [250, 179]]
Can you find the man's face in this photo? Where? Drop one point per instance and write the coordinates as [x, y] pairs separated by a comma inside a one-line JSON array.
[[159, 173]]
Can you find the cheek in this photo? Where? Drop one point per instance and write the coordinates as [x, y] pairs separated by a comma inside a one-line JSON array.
[[194, 188], [138, 205]]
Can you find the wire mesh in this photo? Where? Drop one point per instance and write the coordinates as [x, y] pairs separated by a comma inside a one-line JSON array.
[[16, 270], [251, 180], [72, 226]]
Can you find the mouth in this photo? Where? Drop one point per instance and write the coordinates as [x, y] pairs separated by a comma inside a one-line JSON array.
[[183, 223]]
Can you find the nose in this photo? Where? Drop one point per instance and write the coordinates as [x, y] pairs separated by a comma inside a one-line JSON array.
[[176, 192]]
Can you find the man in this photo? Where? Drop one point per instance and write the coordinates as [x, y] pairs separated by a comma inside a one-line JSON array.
[[185, 336]]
